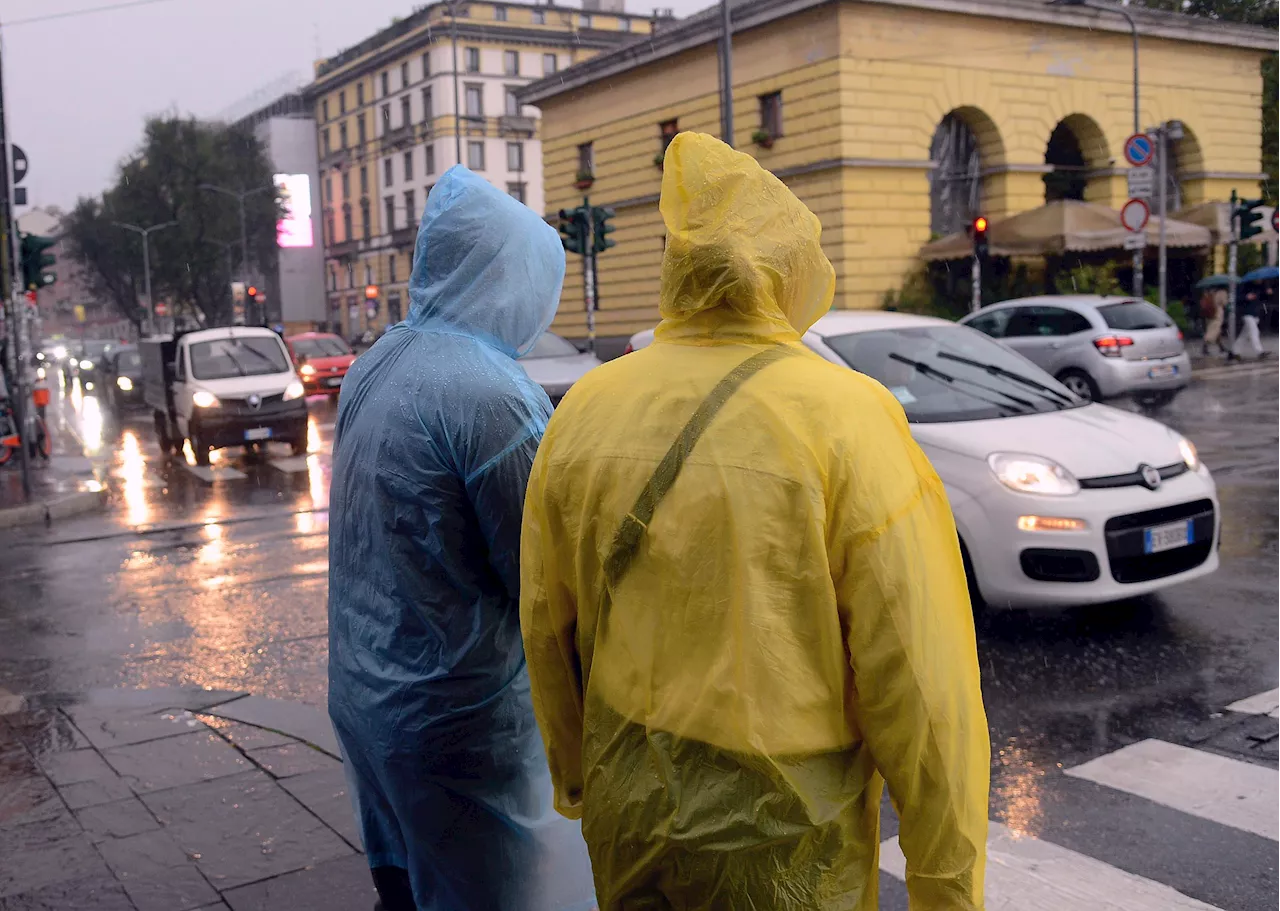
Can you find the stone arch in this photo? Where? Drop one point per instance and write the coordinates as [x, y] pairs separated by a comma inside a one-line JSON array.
[[1186, 158], [1075, 152], [965, 144]]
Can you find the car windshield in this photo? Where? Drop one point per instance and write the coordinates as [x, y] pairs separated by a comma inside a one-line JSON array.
[[227, 357], [1133, 315], [951, 373], [96, 349], [129, 362], [320, 346], [551, 345]]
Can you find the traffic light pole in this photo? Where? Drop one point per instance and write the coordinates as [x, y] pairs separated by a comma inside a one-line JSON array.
[[975, 304], [589, 278], [1233, 264]]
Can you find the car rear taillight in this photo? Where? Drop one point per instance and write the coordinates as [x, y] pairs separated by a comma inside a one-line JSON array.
[[628, 349], [1180, 335], [1110, 345]]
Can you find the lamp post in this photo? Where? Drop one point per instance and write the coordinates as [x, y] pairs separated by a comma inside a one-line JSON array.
[[146, 261], [239, 196], [726, 74], [457, 110], [1137, 116]]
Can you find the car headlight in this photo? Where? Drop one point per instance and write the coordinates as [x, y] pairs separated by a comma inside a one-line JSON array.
[[1032, 474], [1187, 450], [39, 355], [307, 370], [125, 384], [40, 373], [204, 399], [293, 391], [60, 352], [86, 365]]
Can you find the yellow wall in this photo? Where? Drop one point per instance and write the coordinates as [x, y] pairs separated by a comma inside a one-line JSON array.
[[864, 87]]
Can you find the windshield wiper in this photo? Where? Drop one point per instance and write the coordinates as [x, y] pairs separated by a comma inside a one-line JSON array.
[[275, 368], [930, 371], [997, 370]]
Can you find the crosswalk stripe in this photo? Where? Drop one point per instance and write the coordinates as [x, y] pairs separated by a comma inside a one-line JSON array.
[[1227, 791], [1028, 874], [290, 464], [209, 474], [1267, 703]]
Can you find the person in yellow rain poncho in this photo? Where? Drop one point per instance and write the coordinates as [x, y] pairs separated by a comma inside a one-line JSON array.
[[742, 597]]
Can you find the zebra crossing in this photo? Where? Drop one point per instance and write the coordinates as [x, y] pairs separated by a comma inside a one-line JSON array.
[[225, 465], [1031, 873]]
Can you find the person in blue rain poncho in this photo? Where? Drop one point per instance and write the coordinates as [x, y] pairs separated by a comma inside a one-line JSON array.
[[428, 691]]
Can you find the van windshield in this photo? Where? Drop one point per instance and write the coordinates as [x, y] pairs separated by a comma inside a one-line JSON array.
[[228, 357]]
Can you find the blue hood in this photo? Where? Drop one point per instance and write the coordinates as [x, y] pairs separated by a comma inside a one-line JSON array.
[[485, 265]]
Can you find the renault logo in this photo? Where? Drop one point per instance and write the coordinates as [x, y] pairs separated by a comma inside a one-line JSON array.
[[255, 401], [1150, 476]]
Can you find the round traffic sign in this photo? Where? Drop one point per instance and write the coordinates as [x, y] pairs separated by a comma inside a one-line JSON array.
[[1139, 150], [1275, 226], [1135, 215]]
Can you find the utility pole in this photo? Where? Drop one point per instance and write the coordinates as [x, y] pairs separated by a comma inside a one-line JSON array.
[[146, 263], [1166, 134], [457, 109], [726, 75], [239, 196]]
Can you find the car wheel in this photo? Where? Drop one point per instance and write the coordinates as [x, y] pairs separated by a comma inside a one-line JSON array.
[[199, 447], [1080, 384], [299, 444], [1157, 399], [975, 594], [162, 433]]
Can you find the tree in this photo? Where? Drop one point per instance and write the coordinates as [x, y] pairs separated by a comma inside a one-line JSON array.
[[162, 182]]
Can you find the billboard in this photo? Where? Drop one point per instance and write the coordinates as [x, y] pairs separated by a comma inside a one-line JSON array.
[[294, 230]]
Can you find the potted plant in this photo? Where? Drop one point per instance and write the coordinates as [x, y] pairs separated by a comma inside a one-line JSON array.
[[658, 159], [584, 180], [762, 138]]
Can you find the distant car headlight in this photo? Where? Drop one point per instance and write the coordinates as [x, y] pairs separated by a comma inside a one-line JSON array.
[[293, 391], [40, 373], [1187, 450], [1032, 474], [204, 399], [60, 353], [86, 365], [307, 370], [39, 355], [125, 384]]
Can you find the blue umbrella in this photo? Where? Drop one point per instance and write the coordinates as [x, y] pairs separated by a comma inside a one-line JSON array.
[[1265, 274]]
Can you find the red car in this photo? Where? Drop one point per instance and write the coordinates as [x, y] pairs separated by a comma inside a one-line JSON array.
[[322, 360]]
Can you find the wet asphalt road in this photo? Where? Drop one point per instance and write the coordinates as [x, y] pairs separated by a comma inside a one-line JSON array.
[[218, 579]]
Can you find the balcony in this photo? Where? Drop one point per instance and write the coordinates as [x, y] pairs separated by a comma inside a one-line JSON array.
[[400, 136], [405, 238], [511, 123], [337, 158]]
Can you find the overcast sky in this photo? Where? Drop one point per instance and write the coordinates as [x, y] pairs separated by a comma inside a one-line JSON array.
[[79, 88]]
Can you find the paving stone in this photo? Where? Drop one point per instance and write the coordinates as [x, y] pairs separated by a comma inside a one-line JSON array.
[[38, 834], [244, 828], [105, 729], [55, 862], [338, 885], [293, 759], [44, 731], [246, 736], [149, 699], [175, 761], [91, 793], [298, 720], [95, 893], [75, 766], [325, 794], [118, 819], [16, 761], [28, 799], [156, 872]]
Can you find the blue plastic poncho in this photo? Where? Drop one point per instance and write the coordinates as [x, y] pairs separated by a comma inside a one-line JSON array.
[[428, 690]]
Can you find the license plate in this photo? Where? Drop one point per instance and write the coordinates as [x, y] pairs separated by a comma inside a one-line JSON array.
[[1162, 371], [258, 433], [336, 381], [1166, 537]]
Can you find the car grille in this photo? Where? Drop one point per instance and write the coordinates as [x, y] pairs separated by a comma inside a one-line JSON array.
[[1133, 478], [1049, 565], [1125, 538], [270, 405]]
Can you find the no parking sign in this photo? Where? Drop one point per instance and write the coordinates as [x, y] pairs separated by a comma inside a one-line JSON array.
[[1139, 150]]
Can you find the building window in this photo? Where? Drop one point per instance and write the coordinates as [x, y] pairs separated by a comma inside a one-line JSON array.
[[771, 114], [410, 215], [500, 13], [548, 64], [406, 115], [475, 156], [539, 17], [584, 20], [666, 132], [328, 235], [346, 185], [351, 275], [408, 165], [475, 101], [427, 113], [364, 180], [404, 75], [366, 223], [624, 24], [333, 279], [386, 83], [368, 274], [391, 268], [342, 135], [324, 141], [512, 102], [386, 118], [387, 178], [426, 65], [359, 94], [473, 60], [361, 131], [516, 191], [586, 159], [324, 111], [394, 314], [328, 190], [515, 156], [346, 225], [431, 159], [389, 204], [511, 63], [342, 102]]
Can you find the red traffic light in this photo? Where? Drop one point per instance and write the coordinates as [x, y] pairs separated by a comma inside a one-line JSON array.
[[251, 291], [370, 292], [980, 224]]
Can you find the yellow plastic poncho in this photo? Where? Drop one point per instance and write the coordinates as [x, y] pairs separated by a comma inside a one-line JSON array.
[[794, 628]]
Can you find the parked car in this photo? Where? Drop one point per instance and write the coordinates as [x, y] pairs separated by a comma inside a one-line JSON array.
[[122, 378], [555, 364], [84, 360], [1098, 347], [322, 360], [1057, 500]]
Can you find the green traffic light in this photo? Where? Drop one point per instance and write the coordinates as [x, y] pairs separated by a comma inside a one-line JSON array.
[[573, 230], [601, 229], [1250, 218], [34, 261]]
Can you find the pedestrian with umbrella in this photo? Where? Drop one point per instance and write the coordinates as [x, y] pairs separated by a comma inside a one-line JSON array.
[[1213, 310]]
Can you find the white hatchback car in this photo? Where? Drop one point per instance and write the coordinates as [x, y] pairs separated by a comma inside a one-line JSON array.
[[1058, 501]]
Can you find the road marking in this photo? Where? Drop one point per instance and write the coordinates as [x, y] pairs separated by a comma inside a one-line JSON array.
[[209, 474], [1028, 874], [1226, 372], [291, 464], [1227, 791], [1267, 703]]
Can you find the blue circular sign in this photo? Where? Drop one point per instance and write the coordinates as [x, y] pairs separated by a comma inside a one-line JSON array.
[[1139, 149]]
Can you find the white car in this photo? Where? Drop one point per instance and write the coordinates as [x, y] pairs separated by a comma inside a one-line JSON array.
[[1058, 501], [555, 364]]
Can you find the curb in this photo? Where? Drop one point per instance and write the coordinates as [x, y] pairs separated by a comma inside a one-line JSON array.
[[59, 508]]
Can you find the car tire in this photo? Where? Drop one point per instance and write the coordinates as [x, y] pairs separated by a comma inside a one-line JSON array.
[[162, 433], [976, 601], [299, 443], [199, 447], [1081, 384]]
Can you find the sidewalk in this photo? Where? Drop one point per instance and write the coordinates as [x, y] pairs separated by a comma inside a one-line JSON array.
[[1195, 347], [173, 799]]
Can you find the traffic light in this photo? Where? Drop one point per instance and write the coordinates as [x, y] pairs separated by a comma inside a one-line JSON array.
[[251, 292], [574, 228], [35, 261], [980, 249], [1250, 218], [601, 229]]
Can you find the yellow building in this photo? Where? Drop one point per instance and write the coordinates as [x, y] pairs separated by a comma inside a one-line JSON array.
[[897, 120], [388, 126]]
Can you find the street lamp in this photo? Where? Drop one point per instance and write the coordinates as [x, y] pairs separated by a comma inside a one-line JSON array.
[[239, 196], [1137, 116], [146, 261], [457, 111]]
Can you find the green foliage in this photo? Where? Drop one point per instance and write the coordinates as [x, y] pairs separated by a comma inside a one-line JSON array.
[[918, 296], [1088, 278]]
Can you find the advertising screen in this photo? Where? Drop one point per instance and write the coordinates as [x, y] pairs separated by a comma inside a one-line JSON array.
[[294, 230]]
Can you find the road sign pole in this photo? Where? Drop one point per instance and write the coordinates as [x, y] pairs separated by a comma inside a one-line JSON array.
[[1232, 266], [589, 276], [1162, 141], [975, 304]]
